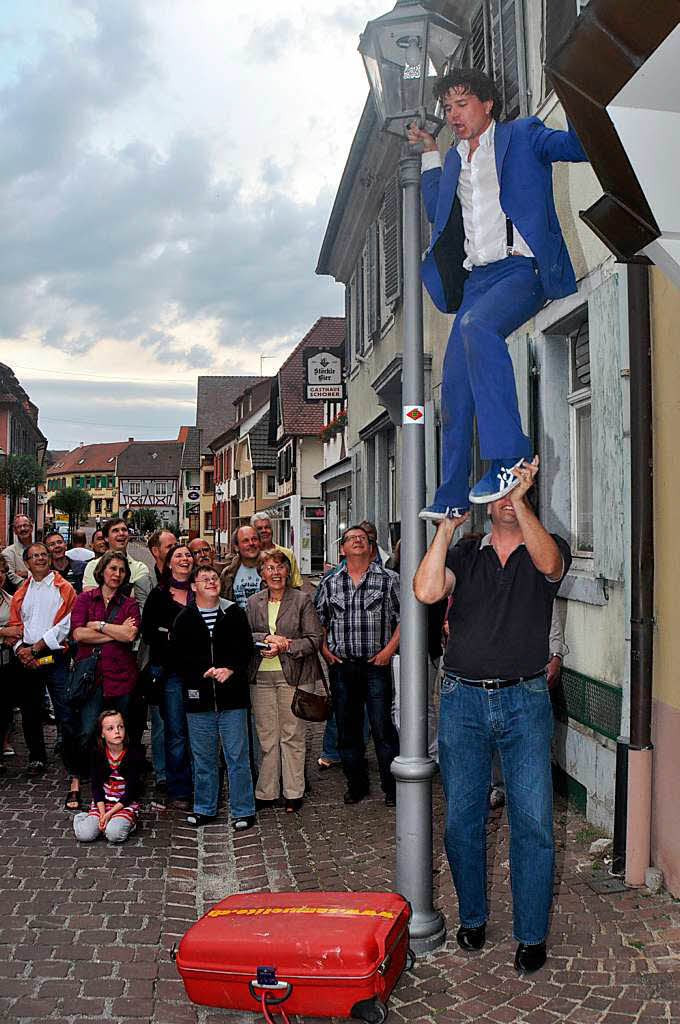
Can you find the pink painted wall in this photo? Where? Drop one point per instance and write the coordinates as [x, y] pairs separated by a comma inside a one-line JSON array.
[[665, 802]]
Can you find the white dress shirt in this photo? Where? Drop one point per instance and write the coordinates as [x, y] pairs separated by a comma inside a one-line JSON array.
[[479, 193], [38, 611]]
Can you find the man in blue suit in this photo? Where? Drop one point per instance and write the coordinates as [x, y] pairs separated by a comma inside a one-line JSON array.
[[497, 253]]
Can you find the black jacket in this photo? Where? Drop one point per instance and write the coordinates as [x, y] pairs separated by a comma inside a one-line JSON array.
[[194, 651], [130, 768], [160, 612]]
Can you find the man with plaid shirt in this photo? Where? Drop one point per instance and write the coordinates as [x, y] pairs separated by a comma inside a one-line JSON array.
[[359, 609]]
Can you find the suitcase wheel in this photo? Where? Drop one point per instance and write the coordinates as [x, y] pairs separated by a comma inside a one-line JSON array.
[[372, 1011], [410, 959]]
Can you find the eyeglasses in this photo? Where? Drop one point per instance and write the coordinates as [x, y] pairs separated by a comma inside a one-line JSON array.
[[201, 551]]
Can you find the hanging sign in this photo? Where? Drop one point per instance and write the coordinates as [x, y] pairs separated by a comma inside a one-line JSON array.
[[324, 375]]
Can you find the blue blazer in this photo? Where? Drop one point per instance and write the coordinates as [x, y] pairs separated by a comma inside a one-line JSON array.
[[525, 152]]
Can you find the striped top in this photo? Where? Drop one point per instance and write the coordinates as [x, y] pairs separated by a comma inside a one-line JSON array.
[[114, 788], [209, 617]]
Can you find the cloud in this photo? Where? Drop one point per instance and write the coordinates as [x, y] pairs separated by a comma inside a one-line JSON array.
[[114, 241], [268, 42]]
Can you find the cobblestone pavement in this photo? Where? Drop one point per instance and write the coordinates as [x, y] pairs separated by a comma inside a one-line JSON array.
[[86, 932]]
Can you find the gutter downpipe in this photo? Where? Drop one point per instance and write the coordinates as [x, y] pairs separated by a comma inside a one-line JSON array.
[[639, 802]]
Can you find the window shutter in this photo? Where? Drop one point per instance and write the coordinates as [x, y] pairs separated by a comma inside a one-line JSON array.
[[373, 281], [607, 430], [391, 239], [348, 327], [359, 296], [357, 483], [479, 40], [507, 55], [520, 353], [560, 16]]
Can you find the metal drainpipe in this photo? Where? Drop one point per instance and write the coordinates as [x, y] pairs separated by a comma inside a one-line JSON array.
[[639, 802]]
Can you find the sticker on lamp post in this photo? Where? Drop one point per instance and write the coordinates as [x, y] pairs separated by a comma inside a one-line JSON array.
[[414, 414]]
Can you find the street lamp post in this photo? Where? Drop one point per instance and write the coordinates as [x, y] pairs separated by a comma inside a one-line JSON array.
[[403, 52]]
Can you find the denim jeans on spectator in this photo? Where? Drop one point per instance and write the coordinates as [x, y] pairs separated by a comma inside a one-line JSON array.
[[518, 722], [329, 744], [177, 766], [207, 730], [356, 685], [30, 690], [157, 743]]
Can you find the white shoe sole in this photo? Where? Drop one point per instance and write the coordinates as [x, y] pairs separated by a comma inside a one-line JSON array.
[[437, 517]]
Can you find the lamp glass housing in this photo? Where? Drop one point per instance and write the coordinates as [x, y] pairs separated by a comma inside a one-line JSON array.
[[404, 52]]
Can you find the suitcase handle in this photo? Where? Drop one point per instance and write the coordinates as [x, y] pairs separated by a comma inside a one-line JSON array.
[[284, 987]]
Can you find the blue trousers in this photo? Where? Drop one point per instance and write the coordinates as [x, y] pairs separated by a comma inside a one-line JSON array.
[[518, 723], [207, 730], [477, 376], [329, 745], [176, 740], [356, 685]]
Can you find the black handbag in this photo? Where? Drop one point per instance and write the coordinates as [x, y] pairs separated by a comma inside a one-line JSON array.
[[312, 707], [83, 678]]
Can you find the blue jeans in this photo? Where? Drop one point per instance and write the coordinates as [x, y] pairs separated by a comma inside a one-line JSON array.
[[207, 729], [157, 743], [356, 685], [518, 722], [84, 725], [30, 684], [177, 768], [329, 744], [477, 376]]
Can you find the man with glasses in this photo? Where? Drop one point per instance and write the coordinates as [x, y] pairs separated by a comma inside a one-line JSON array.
[[202, 552], [40, 616], [358, 607]]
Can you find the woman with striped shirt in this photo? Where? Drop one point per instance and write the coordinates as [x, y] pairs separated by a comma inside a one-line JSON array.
[[116, 784]]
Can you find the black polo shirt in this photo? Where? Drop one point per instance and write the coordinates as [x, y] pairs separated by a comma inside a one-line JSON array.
[[499, 621]]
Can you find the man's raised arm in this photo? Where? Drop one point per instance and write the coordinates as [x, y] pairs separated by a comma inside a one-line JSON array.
[[433, 580]]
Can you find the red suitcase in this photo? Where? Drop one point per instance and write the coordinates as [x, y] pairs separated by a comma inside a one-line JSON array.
[[321, 954]]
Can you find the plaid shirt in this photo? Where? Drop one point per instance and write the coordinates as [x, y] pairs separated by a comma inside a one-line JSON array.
[[359, 620]]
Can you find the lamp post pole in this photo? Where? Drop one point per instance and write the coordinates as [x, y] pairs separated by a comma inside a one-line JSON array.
[[413, 768], [403, 51]]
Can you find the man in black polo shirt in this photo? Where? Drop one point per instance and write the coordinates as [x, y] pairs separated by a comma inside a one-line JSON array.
[[494, 695]]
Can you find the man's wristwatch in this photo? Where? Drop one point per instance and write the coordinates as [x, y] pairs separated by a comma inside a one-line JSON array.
[[34, 652], [553, 655], [100, 627]]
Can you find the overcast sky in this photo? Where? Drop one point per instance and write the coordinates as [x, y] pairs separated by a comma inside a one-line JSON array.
[[167, 169]]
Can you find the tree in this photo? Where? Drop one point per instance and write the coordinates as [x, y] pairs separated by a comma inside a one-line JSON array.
[[144, 520], [75, 502], [19, 474]]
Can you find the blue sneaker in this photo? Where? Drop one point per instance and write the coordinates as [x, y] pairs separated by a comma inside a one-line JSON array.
[[435, 513], [498, 481]]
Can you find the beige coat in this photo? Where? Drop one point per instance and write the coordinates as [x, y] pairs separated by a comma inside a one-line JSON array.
[[297, 620]]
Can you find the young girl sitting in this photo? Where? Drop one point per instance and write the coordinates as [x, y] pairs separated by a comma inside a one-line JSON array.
[[116, 784]]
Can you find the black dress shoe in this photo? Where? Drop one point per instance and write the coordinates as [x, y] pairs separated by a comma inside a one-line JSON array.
[[471, 938], [530, 958], [390, 800], [354, 798]]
